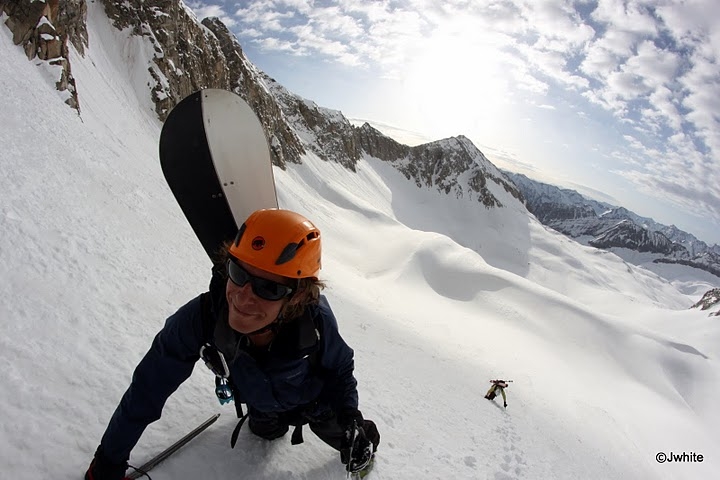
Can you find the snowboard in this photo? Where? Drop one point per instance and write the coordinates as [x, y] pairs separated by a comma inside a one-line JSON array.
[[216, 160]]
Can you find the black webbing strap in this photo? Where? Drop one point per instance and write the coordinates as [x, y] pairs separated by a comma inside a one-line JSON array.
[[208, 327], [236, 432]]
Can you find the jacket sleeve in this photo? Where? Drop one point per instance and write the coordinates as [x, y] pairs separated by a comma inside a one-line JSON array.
[[338, 363], [167, 364]]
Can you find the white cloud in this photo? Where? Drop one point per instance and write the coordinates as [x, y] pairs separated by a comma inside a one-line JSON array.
[[262, 18], [203, 10], [275, 44], [626, 86], [627, 15], [557, 24], [657, 67], [332, 20], [664, 108], [607, 53]]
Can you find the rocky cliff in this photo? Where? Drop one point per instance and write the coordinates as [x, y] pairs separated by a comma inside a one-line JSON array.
[[710, 300], [190, 55]]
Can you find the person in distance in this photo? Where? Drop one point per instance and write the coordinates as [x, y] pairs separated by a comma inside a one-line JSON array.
[[498, 386]]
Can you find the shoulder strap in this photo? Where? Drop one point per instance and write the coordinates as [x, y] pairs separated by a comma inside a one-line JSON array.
[[315, 356], [208, 319], [208, 330]]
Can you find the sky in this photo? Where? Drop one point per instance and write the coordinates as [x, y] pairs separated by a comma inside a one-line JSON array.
[[616, 99], [609, 366]]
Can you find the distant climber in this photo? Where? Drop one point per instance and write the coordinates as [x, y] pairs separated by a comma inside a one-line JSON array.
[[498, 385]]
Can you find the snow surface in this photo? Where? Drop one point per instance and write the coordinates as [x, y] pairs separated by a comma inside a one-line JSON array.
[[436, 295]]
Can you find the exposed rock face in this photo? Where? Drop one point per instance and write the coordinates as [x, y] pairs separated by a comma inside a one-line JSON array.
[[708, 261], [628, 234], [254, 86], [190, 55], [326, 133], [561, 215], [453, 165], [43, 29], [380, 146]]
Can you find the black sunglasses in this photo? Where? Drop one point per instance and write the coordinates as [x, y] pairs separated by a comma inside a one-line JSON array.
[[262, 287]]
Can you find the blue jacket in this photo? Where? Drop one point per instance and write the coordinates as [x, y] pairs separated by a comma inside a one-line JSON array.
[[279, 380]]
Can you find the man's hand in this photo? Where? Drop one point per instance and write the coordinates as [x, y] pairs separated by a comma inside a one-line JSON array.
[[357, 450]]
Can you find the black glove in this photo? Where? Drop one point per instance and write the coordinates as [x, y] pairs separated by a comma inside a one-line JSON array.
[[360, 440], [102, 469], [347, 415]]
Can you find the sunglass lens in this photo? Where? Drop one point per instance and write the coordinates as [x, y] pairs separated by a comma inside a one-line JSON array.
[[270, 290], [263, 288], [237, 274]]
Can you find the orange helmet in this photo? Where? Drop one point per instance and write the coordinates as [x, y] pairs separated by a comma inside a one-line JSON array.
[[279, 241]]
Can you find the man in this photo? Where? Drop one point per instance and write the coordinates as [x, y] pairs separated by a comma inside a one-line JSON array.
[[271, 339]]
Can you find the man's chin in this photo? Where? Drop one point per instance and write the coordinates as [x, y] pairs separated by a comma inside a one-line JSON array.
[[245, 325]]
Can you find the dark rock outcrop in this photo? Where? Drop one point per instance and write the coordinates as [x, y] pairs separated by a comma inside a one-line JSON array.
[[190, 55], [43, 29], [709, 300]]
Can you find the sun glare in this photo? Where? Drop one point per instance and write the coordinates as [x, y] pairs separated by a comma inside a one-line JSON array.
[[454, 83]]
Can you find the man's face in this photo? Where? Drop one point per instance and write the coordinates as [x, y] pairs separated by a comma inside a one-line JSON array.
[[246, 311]]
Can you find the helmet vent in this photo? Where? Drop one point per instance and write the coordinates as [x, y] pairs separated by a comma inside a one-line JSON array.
[[288, 252], [239, 235]]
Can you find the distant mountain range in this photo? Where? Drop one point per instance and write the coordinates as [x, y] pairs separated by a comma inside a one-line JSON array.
[[605, 226]]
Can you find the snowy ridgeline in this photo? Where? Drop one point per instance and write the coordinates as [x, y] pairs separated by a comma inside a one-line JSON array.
[[436, 294]]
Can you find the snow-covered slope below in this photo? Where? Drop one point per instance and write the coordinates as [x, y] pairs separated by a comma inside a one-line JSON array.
[[436, 294]]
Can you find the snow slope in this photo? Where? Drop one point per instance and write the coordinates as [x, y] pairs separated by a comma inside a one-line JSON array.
[[436, 296]]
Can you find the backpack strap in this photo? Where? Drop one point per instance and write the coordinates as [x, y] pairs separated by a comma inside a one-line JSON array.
[[314, 358], [208, 319], [214, 359], [236, 430]]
